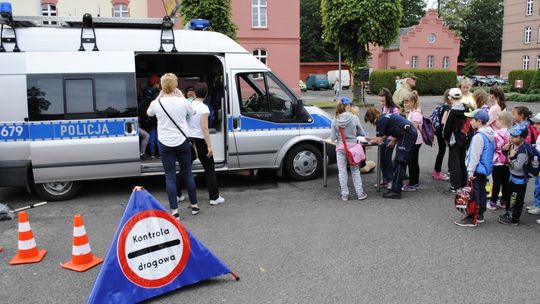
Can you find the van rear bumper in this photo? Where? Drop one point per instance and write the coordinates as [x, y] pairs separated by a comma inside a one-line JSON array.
[[13, 173]]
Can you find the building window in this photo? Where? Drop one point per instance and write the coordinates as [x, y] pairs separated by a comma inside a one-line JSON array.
[[414, 62], [120, 10], [48, 10], [528, 34], [430, 61], [259, 13], [525, 63], [261, 55], [537, 62], [446, 62], [529, 9]]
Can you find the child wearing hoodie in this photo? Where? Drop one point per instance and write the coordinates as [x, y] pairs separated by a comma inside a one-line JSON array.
[[501, 172], [352, 128], [518, 157], [479, 162]]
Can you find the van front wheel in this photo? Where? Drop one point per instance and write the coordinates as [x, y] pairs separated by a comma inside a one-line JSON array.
[[303, 162], [58, 191]]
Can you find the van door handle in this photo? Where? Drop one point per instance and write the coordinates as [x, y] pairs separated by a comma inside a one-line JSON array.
[[236, 123], [129, 128]]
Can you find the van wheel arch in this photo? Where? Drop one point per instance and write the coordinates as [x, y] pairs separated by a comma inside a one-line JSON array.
[[304, 161]]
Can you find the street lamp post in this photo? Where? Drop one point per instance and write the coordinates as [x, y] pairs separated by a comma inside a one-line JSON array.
[[339, 68]]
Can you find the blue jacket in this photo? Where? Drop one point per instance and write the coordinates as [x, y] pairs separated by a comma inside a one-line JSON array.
[[480, 154]]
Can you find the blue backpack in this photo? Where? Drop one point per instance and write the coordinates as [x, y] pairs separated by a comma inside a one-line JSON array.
[[436, 116], [532, 167]]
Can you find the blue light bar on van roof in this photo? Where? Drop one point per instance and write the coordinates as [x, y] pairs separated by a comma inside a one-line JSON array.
[[5, 8], [199, 24]]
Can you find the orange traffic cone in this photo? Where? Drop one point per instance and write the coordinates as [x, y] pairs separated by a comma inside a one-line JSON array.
[[81, 255], [28, 250]]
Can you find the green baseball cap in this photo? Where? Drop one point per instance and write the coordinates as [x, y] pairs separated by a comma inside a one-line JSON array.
[[408, 75]]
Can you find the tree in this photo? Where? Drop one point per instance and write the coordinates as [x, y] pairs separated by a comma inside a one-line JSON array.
[[454, 13], [482, 31], [413, 11], [354, 25], [479, 23], [217, 11], [311, 48], [470, 67]]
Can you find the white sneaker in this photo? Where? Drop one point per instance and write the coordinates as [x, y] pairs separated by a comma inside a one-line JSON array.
[[534, 211], [219, 200], [180, 198], [538, 222], [344, 198], [362, 196], [389, 186], [530, 207]]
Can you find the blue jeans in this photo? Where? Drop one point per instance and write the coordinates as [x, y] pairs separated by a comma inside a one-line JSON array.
[[153, 142], [169, 156], [386, 161], [537, 192], [479, 185]]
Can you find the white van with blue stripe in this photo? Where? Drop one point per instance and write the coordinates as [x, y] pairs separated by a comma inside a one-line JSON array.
[[69, 102]]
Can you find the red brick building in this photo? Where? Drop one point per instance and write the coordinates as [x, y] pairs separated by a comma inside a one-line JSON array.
[[428, 45]]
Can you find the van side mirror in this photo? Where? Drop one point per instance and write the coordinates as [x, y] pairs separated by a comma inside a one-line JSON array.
[[299, 108]]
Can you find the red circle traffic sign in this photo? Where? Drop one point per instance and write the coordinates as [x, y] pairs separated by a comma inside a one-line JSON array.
[[153, 248]]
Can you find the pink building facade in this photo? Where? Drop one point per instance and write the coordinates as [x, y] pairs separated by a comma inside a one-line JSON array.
[[268, 29], [428, 45]]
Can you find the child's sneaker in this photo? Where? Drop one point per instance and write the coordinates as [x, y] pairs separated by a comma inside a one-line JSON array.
[[450, 190], [480, 219], [195, 210], [389, 186], [491, 205], [408, 188], [362, 196], [381, 184], [217, 201], [506, 219], [534, 211], [180, 198], [465, 222], [529, 207], [440, 176], [501, 204], [344, 198]]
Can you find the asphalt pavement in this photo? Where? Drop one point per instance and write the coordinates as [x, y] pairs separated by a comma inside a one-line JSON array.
[[297, 242]]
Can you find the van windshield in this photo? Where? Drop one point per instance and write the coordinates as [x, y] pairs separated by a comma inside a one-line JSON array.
[[320, 77]]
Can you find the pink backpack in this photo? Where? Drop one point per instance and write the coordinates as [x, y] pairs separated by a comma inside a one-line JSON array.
[[501, 138]]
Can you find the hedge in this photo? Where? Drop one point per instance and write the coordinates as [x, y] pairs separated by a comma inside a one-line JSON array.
[[525, 75], [523, 97], [429, 82]]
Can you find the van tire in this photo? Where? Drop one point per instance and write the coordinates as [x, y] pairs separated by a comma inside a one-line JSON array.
[[58, 191], [303, 162]]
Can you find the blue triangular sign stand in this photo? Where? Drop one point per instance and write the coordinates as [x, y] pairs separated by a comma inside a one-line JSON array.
[[152, 253]]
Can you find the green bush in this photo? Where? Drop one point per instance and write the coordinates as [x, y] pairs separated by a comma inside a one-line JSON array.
[[429, 82], [534, 86], [523, 97], [525, 75]]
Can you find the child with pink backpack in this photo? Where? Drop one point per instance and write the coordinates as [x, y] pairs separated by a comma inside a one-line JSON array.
[[501, 171]]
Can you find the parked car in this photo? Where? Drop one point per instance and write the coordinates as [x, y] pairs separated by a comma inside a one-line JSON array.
[[302, 86], [496, 80], [479, 81], [317, 81]]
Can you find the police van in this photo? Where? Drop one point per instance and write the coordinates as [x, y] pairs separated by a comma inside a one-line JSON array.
[[69, 102]]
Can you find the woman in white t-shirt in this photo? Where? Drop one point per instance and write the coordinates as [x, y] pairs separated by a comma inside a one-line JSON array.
[[198, 126], [171, 110]]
